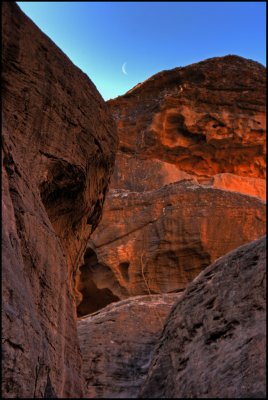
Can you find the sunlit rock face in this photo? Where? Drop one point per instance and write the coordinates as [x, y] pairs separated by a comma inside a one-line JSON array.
[[214, 341], [158, 241], [251, 186], [205, 119], [203, 124], [117, 344], [59, 145]]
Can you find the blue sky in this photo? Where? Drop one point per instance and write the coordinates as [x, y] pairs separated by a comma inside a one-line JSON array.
[[99, 37]]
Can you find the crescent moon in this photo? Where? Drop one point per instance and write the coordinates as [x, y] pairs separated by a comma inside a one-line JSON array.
[[124, 68]]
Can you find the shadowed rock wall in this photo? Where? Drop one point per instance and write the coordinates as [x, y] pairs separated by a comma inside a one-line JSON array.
[[58, 150]]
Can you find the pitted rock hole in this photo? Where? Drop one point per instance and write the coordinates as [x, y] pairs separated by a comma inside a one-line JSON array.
[[96, 283], [62, 192], [123, 267]]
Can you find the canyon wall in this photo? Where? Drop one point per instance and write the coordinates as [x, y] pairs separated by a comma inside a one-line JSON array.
[[204, 126], [188, 187], [58, 150]]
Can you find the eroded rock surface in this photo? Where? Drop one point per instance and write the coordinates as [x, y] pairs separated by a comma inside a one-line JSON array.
[[59, 143], [159, 241], [214, 342], [202, 120], [117, 344]]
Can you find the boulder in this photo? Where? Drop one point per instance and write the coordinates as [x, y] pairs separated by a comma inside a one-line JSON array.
[[117, 344], [213, 344]]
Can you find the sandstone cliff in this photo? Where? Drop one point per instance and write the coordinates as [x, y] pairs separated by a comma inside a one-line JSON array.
[[203, 123], [58, 150], [214, 342], [202, 120]]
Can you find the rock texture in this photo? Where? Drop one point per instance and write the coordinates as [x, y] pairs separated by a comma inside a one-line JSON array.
[[159, 241], [117, 343], [202, 120], [214, 342], [59, 143]]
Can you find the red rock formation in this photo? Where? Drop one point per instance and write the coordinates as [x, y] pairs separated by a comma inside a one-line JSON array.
[[204, 119], [117, 344], [214, 341], [205, 123], [59, 146], [158, 241]]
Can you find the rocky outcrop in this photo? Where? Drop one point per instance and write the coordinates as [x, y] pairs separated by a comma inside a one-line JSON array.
[[214, 341], [117, 344], [202, 120], [58, 150], [159, 241]]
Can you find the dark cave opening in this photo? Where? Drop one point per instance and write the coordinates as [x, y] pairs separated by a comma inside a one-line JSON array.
[[96, 283]]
